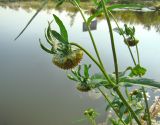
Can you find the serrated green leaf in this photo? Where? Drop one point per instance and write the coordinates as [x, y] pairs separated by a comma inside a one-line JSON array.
[[63, 30], [139, 81], [138, 71], [45, 49]]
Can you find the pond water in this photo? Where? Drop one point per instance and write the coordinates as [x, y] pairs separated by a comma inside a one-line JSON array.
[[33, 91]]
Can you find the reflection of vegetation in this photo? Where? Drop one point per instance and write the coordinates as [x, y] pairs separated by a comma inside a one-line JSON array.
[[148, 19], [132, 17]]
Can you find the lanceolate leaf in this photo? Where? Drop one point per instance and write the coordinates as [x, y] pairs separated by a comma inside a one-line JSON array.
[[86, 70], [58, 37], [40, 8], [124, 81], [71, 77], [60, 2], [119, 30], [139, 81], [93, 16], [79, 70], [63, 30], [78, 1], [45, 49], [47, 38], [121, 6], [48, 32]]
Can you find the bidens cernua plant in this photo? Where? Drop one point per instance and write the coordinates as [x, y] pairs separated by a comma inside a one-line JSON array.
[[131, 107]]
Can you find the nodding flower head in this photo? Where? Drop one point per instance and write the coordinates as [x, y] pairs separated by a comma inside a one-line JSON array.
[[69, 60], [131, 41], [64, 55], [83, 87]]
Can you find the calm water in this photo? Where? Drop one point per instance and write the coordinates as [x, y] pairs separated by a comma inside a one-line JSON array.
[[35, 92]]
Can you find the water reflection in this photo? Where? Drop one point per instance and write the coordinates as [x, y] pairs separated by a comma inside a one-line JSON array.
[[147, 19], [150, 19]]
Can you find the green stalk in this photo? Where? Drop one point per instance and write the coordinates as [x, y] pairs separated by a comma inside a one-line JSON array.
[[116, 64], [109, 101], [146, 102], [90, 34], [128, 106], [147, 107], [138, 54], [96, 62], [105, 74], [93, 122], [144, 94], [127, 93], [112, 40], [130, 51]]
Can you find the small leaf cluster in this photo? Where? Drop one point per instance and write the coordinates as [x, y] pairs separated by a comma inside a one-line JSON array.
[[83, 80], [90, 113], [135, 99], [137, 71], [128, 32], [58, 41]]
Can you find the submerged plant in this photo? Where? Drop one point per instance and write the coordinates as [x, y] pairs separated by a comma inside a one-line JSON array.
[[131, 108]]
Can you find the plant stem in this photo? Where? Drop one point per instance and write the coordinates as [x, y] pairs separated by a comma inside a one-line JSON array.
[[130, 51], [93, 122], [109, 101], [96, 62], [116, 64], [147, 107], [144, 93], [127, 105], [112, 40], [138, 54], [105, 74], [90, 34], [127, 93]]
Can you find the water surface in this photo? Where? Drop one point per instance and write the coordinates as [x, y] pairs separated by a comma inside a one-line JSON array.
[[35, 92]]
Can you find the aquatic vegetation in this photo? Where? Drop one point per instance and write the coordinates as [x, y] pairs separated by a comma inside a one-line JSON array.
[[131, 108]]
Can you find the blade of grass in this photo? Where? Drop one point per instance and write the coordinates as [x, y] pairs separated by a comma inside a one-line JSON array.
[[40, 8]]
